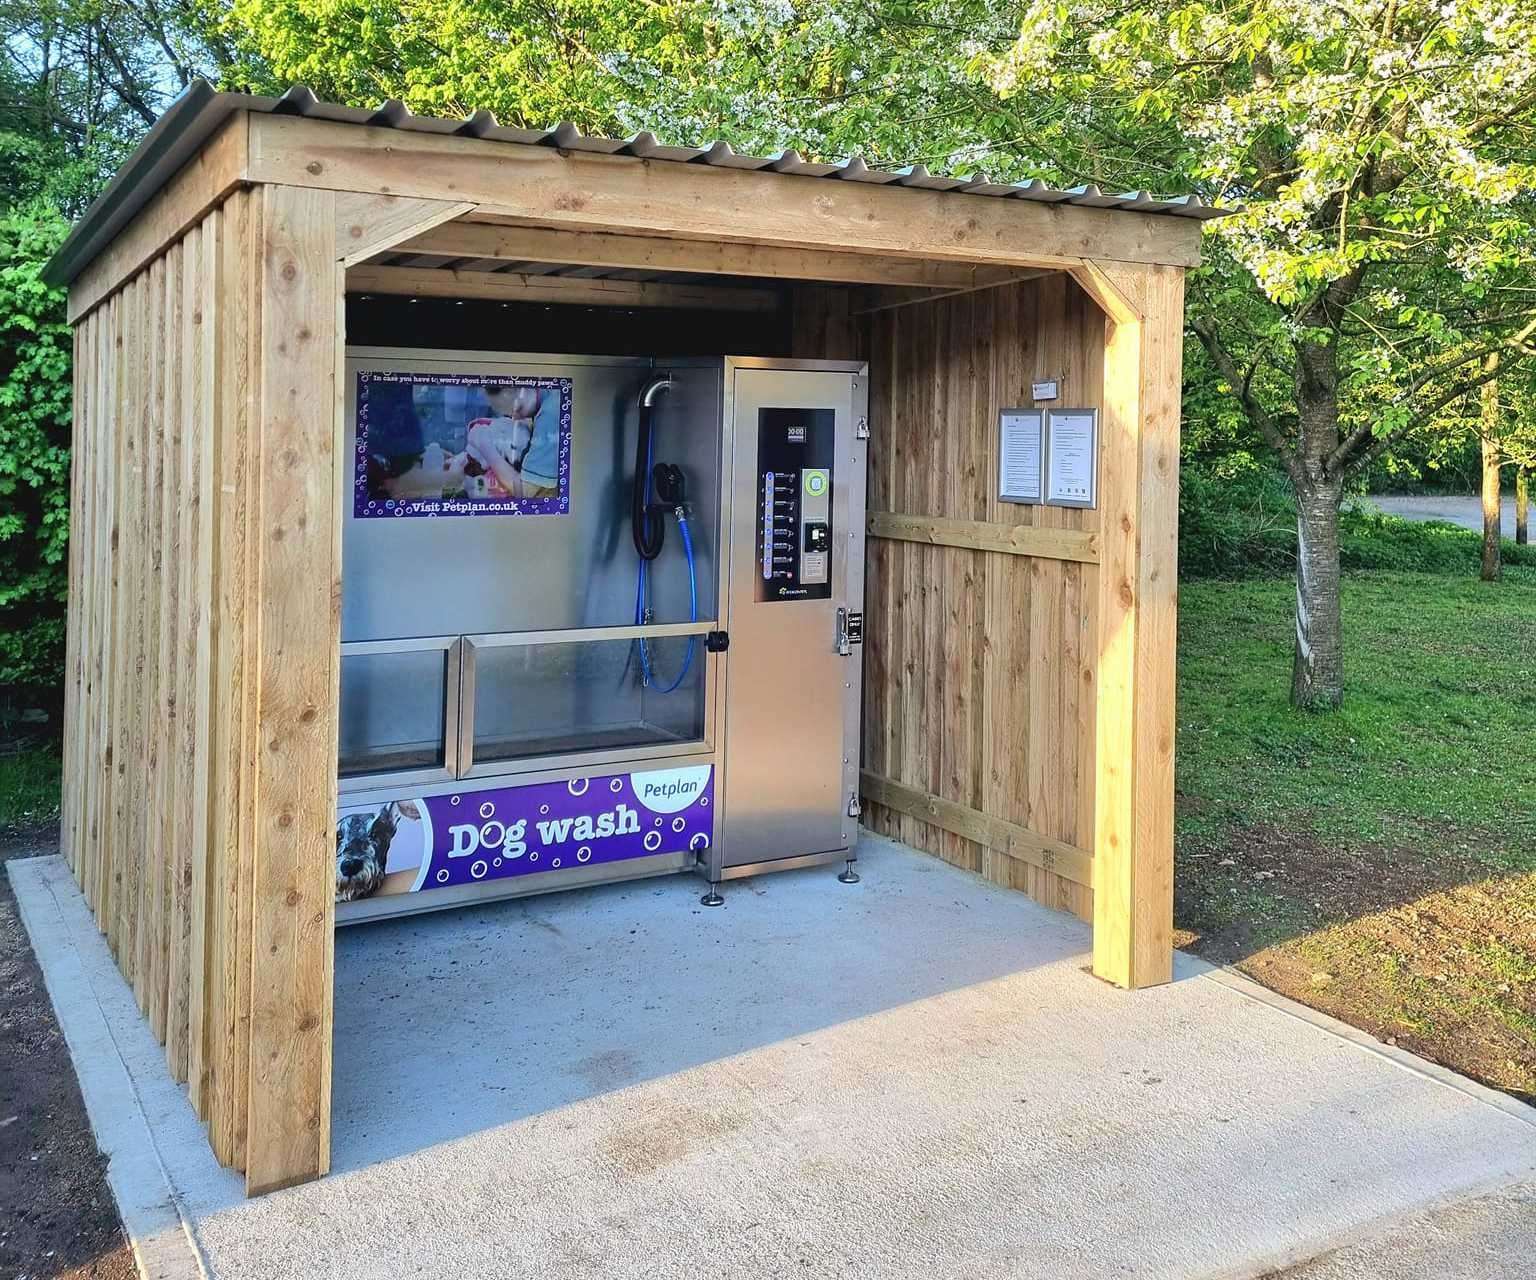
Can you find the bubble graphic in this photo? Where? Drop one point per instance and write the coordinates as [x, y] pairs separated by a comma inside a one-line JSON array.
[[495, 862], [487, 809], [534, 856], [615, 784], [700, 841], [583, 853], [679, 823], [543, 808], [659, 821], [477, 869], [554, 862], [454, 800], [652, 840], [703, 802], [442, 876], [578, 786]]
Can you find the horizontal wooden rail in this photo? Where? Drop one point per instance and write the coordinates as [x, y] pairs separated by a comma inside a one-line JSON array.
[[427, 282], [980, 535], [998, 834]]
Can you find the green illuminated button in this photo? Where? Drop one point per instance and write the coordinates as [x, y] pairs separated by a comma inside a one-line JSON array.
[[816, 481]]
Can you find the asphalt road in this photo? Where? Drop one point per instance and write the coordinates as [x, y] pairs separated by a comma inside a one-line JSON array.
[[1467, 511]]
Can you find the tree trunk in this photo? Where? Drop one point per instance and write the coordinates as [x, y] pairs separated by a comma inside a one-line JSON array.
[[1522, 505], [1492, 531], [1317, 673], [1317, 670]]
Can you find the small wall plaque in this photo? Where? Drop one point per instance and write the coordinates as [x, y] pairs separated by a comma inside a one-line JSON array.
[[1043, 390]]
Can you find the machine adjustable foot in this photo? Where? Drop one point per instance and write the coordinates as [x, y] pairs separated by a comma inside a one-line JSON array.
[[713, 898], [848, 875]]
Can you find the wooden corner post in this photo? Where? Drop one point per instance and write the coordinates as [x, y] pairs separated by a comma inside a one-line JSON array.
[[306, 239], [1138, 614]]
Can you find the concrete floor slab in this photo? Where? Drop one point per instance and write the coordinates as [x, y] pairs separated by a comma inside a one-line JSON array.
[[914, 1076]]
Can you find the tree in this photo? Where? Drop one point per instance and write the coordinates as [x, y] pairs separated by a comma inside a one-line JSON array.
[[79, 83], [1383, 152], [1492, 454]]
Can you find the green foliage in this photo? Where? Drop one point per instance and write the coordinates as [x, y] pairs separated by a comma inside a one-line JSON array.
[[1239, 521], [34, 457], [1235, 522]]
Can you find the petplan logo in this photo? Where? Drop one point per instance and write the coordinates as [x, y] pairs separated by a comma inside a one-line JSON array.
[[669, 790]]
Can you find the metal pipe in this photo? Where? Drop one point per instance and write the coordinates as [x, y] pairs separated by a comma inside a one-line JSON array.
[[654, 388]]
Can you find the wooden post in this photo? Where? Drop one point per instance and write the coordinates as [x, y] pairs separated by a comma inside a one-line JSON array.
[[1138, 612], [297, 633]]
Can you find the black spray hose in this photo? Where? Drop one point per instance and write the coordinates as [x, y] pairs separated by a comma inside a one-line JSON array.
[[647, 525]]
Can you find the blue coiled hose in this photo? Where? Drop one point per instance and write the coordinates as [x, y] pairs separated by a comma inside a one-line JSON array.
[[642, 582]]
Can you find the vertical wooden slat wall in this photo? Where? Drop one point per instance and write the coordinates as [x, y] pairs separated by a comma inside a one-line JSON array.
[[980, 659], [200, 721]]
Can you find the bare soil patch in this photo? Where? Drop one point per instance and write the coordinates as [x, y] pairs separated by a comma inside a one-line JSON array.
[[58, 1220], [1436, 953]]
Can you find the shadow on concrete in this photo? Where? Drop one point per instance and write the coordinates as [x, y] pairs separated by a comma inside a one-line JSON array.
[[459, 1021]]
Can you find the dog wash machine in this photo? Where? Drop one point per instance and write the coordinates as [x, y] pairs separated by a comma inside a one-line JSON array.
[[601, 620]]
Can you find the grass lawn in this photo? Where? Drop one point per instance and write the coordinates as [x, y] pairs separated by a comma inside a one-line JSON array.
[[1378, 863], [29, 788]]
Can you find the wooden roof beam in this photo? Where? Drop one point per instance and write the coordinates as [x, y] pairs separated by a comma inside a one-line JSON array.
[[500, 242], [502, 286], [581, 191]]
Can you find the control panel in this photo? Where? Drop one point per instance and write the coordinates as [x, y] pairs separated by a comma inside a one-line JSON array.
[[794, 492]]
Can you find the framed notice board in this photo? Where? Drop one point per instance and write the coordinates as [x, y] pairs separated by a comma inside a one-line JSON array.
[[1048, 457]]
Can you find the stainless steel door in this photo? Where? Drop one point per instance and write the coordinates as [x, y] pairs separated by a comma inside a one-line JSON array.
[[796, 560]]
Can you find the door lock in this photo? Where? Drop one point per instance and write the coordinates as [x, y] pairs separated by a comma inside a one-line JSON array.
[[850, 630]]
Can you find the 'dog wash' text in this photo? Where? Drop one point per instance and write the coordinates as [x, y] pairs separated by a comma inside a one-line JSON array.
[[510, 841]]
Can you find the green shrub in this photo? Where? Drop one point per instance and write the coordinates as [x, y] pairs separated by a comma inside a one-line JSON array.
[[1241, 523], [1235, 522], [35, 353]]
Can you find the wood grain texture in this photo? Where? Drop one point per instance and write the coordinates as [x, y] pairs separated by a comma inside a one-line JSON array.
[[204, 182], [976, 671], [500, 243], [366, 224], [1138, 603], [581, 191], [982, 535], [427, 282], [298, 625]]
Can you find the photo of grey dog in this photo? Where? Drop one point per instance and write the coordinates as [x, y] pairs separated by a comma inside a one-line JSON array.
[[362, 848]]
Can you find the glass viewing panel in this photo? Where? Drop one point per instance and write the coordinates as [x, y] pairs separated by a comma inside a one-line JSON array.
[[564, 697], [392, 711]]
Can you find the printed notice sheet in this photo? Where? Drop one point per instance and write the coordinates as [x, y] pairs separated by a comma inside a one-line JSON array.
[[1021, 469], [1072, 461]]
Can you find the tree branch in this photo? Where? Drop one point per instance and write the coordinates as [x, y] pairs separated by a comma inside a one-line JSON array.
[[1242, 388]]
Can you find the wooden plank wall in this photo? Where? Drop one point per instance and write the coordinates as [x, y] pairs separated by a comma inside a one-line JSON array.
[[979, 678], [203, 558]]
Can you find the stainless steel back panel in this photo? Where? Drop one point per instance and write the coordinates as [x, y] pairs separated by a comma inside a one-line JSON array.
[[792, 701], [475, 574]]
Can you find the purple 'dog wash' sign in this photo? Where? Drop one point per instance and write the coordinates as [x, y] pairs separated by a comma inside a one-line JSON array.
[[546, 826]]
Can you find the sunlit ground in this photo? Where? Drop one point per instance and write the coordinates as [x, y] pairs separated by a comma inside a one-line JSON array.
[[1380, 863]]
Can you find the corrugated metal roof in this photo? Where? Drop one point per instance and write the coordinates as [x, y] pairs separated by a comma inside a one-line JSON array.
[[200, 110]]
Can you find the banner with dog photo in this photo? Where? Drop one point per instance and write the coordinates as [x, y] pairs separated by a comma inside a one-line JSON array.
[[446, 444], [416, 843]]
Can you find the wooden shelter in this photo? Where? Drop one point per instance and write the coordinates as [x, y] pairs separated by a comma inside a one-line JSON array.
[[1019, 711]]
